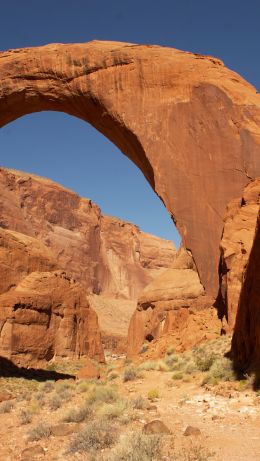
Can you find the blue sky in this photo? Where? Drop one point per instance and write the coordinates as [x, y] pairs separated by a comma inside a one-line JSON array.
[[73, 153]]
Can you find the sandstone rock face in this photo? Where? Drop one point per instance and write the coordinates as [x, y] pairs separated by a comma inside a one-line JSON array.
[[236, 244], [47, 315], [19, 256], [113, 317], [106, 255], [246, 338], [168, 304], [191, 125]]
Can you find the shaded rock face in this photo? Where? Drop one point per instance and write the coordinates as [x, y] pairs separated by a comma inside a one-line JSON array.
[[236, 244], [246, 338], [174, 304], [47, 315], [191, 125], [106, 255]]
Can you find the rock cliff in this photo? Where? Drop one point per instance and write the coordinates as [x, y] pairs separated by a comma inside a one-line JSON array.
[[106, 255]]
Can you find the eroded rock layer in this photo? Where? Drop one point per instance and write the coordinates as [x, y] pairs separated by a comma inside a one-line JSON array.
[[236, 244], [44, 313], [174, 304], [45, 316], [190, 124], [246, 338]]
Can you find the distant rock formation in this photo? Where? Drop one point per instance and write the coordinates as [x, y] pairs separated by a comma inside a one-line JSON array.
[[45, 228], [106, 255]]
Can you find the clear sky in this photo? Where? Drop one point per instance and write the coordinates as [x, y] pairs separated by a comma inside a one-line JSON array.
[[73, 153]]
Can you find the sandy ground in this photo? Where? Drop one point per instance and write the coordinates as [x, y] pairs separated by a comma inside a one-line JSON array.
[[229, 420]]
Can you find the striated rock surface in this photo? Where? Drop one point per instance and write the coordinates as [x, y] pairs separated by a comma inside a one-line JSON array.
[[190, 124], [174, 303], [106, 255], [246, 338], [236, 244], [47, 315], [113, 317]]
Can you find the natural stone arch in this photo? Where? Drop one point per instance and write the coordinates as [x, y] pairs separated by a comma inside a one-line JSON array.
[[191, 125]]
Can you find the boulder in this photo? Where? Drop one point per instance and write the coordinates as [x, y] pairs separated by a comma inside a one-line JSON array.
[[47, 316], [156, 427]]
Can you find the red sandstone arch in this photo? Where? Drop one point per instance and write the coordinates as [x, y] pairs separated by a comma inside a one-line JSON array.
[[191, 125]]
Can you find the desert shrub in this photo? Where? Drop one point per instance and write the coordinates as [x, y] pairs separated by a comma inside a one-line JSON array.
[[83, 386], [139, 403], [55, 402], [6, 407], [137, 446], [194, 452], [77, 415], [46, 387], [162, 366], [25, 417], [113, 410], [222, 369], [112, 376], [149, 365], [177, 375], [130, 374], [41, 431], [102, 394], [204, 361], [40, 397], [171, 359], [95, 436], [153, 394], [64, 386]]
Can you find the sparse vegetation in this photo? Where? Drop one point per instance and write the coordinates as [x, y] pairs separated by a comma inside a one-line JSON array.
[[153, 394], [6, 407], [41, 431], [55, 402], [139, 403], [102, 393], [95, 436], [25, 417], [137, 446], [194, 452], [77, 415], [129, 374]]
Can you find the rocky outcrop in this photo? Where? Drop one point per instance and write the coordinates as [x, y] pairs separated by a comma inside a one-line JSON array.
[[246, 338], [236, 244], [47, 316], [174, 303], [106, 255], [190, 124]]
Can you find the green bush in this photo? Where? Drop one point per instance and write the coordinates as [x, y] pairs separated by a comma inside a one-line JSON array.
[[153, 394], [130, 374]]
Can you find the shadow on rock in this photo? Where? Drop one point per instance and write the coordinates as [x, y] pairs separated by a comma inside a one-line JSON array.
[[9, 370]]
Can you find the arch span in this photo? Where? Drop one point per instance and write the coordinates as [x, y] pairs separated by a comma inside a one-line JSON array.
[[191, 125]]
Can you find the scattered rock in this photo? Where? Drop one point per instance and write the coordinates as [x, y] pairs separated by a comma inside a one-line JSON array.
[[62, 429], [156, 427], [5, 396], [191, 430], [32, 453]]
